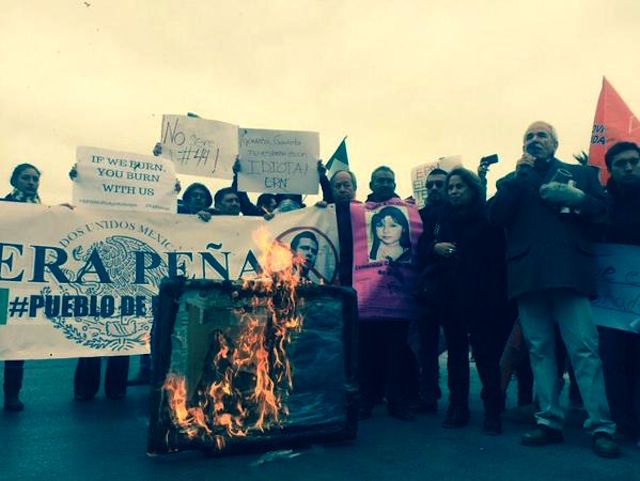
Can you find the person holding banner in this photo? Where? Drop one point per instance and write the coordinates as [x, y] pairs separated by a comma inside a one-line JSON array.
[[549, 209], [226, 202], [387, 365], [196, 198], [464, 257], [620, 349], [25, 180]]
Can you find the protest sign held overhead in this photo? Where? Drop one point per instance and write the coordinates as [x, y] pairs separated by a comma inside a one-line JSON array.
[[420, 173], [207, 148], [614, 122], [108, 179], [278, 161]]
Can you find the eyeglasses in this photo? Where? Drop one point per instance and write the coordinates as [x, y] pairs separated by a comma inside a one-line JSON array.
[[435, 184]]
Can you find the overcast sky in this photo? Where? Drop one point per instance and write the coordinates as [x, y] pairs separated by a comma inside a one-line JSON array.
[[407, 81]]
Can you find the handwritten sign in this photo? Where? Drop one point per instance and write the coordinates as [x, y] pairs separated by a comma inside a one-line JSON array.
[[278, 161], [618, 302], [420, 173], [108, 179], [207, 148]]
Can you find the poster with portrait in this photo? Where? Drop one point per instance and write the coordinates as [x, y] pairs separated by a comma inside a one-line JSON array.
[[385, 238]]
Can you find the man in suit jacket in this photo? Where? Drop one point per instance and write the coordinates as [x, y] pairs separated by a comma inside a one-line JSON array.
[[548, 209]]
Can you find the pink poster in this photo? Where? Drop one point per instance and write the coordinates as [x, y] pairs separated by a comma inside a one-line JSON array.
[[385, 238]]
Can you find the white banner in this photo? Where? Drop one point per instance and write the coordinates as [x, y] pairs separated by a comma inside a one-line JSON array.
[[108, 179], [618, 302], [207, 148], [79, 283], [420, 173], [278, 161]]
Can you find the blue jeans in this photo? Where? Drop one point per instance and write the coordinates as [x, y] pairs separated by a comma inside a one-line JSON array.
[[572, 312]]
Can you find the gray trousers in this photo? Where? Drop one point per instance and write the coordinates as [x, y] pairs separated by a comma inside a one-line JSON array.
[[572, 312]]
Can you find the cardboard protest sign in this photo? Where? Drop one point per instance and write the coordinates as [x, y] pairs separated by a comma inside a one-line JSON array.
[[618, 277], [419, 175], [108, 179], [278, 161], [206, 148]]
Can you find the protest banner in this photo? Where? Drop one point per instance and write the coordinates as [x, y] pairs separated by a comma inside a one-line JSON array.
[[206, 148], [618, 277], [385, 238], [81, 283], [278, 161], [419, 175], [108, 179], [614, 121]]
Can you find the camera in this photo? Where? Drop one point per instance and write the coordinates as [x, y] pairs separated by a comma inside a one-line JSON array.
[[489, 159]]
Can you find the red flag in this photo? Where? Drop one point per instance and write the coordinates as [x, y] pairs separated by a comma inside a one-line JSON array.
[[614, 122]]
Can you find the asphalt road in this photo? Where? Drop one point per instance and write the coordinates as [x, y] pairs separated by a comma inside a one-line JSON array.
[[56, 438]]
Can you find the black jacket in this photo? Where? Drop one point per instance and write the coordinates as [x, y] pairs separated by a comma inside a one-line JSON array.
[[623, 223], [473, 281]]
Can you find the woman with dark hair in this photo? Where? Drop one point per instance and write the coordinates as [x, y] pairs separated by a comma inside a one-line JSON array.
[[465, 257], [391, 236], [25, 181]]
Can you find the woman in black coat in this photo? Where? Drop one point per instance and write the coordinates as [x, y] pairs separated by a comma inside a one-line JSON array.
[[25, 181], [465, 280]]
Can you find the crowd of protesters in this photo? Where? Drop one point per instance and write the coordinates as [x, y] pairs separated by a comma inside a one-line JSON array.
[[514, 273]]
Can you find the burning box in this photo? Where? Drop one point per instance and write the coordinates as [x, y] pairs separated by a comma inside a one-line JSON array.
[[253, 367]]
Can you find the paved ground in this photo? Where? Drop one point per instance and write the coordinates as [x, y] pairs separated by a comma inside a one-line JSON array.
[[56, 438]]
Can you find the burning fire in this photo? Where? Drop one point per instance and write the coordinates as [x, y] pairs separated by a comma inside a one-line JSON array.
[[249, 375]]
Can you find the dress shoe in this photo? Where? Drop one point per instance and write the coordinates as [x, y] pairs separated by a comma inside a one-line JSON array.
[[456, 418], [492, 425], [542, 436], [604, 445]]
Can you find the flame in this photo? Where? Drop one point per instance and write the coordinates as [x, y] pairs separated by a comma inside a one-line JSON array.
[[253, 374]]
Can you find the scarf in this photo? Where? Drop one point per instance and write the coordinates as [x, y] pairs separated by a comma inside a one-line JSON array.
[[19, 196]]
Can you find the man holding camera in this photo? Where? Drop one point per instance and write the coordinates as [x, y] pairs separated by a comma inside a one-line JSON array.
[[548, 218]]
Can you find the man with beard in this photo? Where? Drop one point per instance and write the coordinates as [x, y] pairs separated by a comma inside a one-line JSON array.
[[548, 209]]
